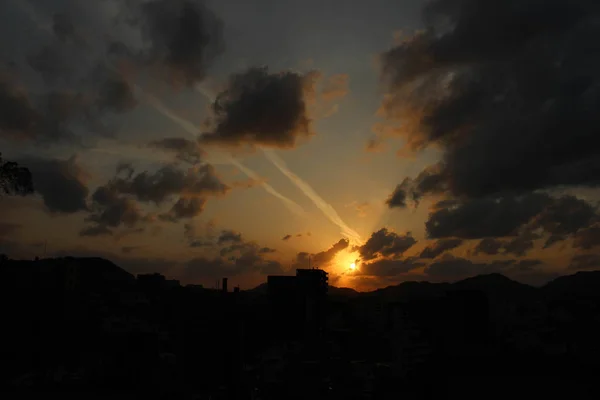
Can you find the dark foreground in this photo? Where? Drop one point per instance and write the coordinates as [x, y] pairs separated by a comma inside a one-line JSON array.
[[84, 328]]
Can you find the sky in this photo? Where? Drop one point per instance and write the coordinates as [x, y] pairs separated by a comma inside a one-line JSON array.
[[415, 140]]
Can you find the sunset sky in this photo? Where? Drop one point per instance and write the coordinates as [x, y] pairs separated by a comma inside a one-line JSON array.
[[201, 139]]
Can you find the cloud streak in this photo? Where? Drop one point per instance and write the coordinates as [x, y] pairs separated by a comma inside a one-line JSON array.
[[321, 204]]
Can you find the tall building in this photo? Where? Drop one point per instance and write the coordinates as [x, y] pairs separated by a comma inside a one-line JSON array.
[[298, 302]]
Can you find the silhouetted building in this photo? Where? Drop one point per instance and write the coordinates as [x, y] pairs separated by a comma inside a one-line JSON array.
[[298, 302], [224, 285], [156, 282]]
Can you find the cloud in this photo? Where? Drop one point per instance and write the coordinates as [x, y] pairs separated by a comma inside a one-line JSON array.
[[198, 239], [321, 259], [182, 38], [87, 65], [116, 203], [336, 87], [7, 229], [511, 225], [587, 238], [439, 247], [96, 230], [62, 184], [228, 236], [389, 267], [169, 180], [286, 237], [585, 261], [110, 209], [185, 208], [430, 181], [262, 108], [63, 27], [512, 109], [236, 256], [485, 217], [43, 119], [385, 243], [184, 149], [451, 268]]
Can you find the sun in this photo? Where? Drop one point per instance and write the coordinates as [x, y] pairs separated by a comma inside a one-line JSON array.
[[352, 266]]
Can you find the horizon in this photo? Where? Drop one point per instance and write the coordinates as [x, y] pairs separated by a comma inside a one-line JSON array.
[[385, 142], [219, 282]]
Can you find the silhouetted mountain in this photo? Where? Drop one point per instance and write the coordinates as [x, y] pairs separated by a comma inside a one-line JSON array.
[[495, 284], [582, 283], [342, 292], [83, 273], [332, 290], [411, 290]]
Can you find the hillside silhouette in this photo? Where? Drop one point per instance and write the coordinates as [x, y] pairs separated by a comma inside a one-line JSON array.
[[86, 327]]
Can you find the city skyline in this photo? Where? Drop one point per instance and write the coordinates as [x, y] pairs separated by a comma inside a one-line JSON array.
[[387, 141]]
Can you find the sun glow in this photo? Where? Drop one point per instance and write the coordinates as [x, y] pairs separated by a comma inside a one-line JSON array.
[[352, 266]]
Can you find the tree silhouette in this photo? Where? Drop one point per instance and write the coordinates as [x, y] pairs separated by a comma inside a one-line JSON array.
[[14, 180]]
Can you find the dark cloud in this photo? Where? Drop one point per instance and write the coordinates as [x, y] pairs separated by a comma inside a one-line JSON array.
[[399, 196], [439, 247], [129, 249], [116, 202], [527, 265], [63, 27], [184, 149], [229, 237], [485, 217], [110, 209], [85, 70], [323, 258], [8, 229], [286, 237], [430, 181], [451, 268], [587, 238], [96, 230], [262, 108], [489, 246], [518, 246], [236, 256], [61, 183], [585, 261], [43, 119], [389, 267], [168, 181], [508, 89], [184, 37], [385, 243], [116, 95], [185, 208], [64, 115], [513, 224]]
